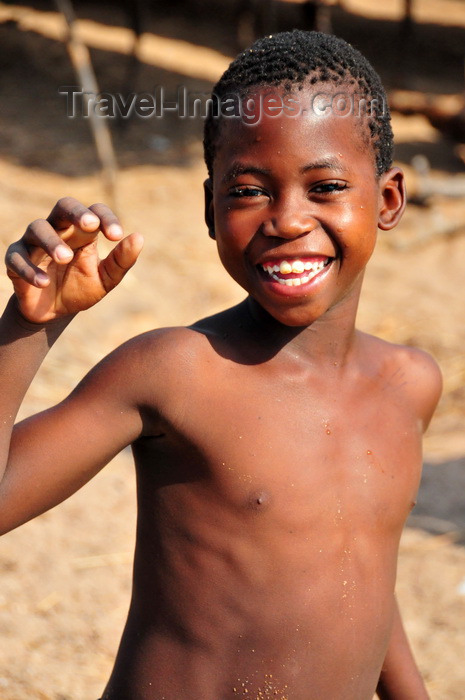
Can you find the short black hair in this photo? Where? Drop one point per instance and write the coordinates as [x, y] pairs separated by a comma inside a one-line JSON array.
[[291, 58]]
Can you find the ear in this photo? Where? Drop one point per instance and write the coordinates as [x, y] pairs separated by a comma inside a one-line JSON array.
[[393, 198], [209, 215]]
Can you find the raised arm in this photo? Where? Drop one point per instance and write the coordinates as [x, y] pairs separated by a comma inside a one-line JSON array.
[[56, 272]]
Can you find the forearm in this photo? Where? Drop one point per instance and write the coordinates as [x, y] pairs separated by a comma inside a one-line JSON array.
[[23, 346], [400, 678]]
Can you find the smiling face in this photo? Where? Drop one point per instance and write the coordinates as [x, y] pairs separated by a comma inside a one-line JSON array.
[[295, 205]]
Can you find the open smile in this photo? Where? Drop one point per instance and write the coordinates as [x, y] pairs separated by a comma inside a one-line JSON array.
[[295, 272]]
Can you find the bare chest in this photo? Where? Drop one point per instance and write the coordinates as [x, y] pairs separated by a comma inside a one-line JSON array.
[[300, 454]]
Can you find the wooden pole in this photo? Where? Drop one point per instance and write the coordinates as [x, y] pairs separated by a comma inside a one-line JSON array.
[[82, 64]]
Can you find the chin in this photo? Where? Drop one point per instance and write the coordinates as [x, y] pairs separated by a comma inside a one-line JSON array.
[[293, 317]]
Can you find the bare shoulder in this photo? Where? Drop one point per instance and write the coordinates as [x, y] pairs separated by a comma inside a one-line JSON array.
[[415, 372], [153, 374], [171, 343], [162, 352], [166, 358], [424, 380]]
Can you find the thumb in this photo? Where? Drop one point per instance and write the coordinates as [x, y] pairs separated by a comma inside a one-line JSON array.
[[123, 256]]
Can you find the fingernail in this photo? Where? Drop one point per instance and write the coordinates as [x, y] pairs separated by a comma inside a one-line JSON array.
[[89, 220], [115, 230], [63, 253], [40, 278]]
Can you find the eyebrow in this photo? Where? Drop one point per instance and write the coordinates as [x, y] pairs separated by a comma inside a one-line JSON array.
[[323, 165], [240, 169]]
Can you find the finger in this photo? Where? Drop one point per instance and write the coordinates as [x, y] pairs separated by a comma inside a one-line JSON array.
[[109, 222], [69, 211], [120, 260], [19, 264], [40, 234]]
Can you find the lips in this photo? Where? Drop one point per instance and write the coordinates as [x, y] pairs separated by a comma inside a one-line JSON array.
[[295, 272]]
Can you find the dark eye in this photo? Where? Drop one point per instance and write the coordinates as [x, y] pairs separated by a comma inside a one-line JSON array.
[[245, 192], [329, 187]]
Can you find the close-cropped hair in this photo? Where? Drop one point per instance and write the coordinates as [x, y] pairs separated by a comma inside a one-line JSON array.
[[294, 59]]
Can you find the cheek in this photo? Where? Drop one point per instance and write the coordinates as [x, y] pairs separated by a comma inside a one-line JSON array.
[[357, 228], [233, 263], [235, 229], [230, 252], [226, 220]]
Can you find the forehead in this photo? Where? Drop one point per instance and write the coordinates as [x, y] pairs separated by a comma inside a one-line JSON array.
[[317, 122]]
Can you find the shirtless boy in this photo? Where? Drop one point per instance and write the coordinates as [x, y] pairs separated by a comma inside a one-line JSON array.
[[277, 449]]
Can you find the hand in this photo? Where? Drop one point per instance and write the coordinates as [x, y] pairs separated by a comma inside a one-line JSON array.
[[55, 267]]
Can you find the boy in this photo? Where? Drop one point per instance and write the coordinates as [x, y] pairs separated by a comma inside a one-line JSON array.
[[277, 449]]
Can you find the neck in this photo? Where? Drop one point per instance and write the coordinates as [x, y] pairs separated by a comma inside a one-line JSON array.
[[328, 341]]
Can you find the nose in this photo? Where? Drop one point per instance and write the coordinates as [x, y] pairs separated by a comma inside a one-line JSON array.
[[289, 218]]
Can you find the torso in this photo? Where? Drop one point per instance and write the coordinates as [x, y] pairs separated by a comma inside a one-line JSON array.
[[270, 511]]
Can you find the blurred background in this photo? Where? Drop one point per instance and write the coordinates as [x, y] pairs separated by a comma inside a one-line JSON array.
[[65, 578]]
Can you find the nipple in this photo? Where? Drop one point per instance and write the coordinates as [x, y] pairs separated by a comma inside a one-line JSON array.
[[259, 500]]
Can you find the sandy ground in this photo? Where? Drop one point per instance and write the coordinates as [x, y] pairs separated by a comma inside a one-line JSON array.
[[65, 578]]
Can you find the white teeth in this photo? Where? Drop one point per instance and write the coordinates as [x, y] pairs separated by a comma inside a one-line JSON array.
[[296, 267], [285, 268]]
